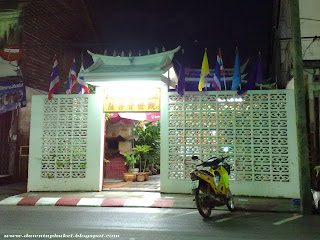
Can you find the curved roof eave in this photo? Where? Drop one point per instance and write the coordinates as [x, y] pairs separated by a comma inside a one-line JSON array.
[[114, 65]]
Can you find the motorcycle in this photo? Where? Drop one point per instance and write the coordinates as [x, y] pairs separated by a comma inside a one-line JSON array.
[[316, 192], [211, 187]]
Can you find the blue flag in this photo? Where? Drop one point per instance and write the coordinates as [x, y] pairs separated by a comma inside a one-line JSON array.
[[181, 80], [236, 80], [218, 71], [255, 77]]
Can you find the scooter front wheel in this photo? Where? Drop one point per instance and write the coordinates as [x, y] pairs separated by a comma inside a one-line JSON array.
[[230, 201], [203, 203]]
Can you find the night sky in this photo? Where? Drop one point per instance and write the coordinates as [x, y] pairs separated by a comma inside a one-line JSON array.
[[138, 25]]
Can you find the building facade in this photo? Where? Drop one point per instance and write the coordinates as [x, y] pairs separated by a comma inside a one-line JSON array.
[[283, 62], [41, 30], [258, 128]]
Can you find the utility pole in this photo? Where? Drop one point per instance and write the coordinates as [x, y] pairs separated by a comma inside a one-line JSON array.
[[300, 101]]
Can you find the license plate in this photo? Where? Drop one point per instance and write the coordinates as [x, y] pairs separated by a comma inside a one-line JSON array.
[[194, 184]]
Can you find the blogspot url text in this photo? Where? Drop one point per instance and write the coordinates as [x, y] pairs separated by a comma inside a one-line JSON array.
[[60, 236]]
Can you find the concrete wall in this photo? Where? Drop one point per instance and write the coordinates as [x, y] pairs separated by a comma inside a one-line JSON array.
[[25, 116], [66, 143]]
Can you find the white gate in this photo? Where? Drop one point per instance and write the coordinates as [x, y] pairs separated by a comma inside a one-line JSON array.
[[259, 128], [66, 143]]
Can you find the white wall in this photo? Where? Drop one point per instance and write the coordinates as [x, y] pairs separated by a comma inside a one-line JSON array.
[[53, 165], [25, 116], [7, 68]]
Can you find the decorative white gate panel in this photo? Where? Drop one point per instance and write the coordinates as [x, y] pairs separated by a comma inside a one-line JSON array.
[[259, 129], [65, 143]]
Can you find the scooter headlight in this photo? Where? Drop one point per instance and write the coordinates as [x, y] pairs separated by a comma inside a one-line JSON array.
[[217, 180]]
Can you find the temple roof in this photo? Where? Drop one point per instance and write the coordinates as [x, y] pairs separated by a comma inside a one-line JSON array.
[[154, 64]]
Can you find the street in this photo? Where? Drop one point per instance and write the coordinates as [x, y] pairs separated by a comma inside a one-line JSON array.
[[151, 223]]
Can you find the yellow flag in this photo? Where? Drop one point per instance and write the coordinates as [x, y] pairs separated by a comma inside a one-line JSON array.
[[204, 71]]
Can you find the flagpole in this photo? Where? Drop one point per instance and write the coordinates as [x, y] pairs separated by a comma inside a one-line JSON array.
[[205, 78], [261, 77], [240, 70], [80, 90], [224, 75]]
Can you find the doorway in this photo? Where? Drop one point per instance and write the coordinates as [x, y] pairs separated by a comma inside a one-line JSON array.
[[5, 125], [126, 135]]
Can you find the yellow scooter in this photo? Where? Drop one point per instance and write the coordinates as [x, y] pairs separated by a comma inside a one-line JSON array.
[[211, 187]]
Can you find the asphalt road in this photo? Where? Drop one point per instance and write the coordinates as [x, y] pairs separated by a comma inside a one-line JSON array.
[[151, 223]]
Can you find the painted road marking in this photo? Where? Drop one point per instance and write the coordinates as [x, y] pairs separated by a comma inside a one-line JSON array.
[[180, 215], [163, 203], [91, 202], [243, 200], [67, 201], [287, 220], [113, 202], [47, 201], [229, 218], [11, 201], [28, 201], [138, 202], [160, 214], [224, 219]]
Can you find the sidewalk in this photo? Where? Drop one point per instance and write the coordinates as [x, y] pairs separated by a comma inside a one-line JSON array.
[[131, 196]]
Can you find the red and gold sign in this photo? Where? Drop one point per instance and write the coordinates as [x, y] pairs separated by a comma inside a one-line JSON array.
[[11, 53], [132, 101]]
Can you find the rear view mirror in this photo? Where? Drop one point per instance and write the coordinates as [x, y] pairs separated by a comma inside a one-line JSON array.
[[195, 158]]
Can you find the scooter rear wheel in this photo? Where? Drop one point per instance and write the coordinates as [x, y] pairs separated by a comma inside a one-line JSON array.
[[203, 203], [230, 201]]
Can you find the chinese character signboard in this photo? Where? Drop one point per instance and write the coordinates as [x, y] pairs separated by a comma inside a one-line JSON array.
[[135, 101]]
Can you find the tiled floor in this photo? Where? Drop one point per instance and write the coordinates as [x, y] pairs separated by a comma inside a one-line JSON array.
[[152, 184]]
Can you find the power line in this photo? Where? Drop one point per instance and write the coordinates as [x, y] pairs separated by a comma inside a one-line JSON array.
[[311, 19], [314, 38]]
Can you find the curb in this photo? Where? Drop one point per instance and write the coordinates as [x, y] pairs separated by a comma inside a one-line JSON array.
[[87, 202], [176, 201]]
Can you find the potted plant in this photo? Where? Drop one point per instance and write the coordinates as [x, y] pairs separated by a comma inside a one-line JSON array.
[[141, 152], [130, 160], [149, 135]]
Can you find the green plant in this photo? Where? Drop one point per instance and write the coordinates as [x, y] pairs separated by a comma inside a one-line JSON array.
[[77, 154], [149, 135], [59, 163], [130, 160], [107, 116], [141, 152], [83, 165]]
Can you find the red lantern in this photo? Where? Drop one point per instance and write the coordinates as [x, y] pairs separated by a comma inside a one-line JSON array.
[[11, 53]]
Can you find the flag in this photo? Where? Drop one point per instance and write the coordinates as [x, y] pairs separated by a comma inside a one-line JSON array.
[[204, 71], [72, 81], [218, 72], [54, 81], [83, 86], [181, 80], [236, 80], [255, 77]]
